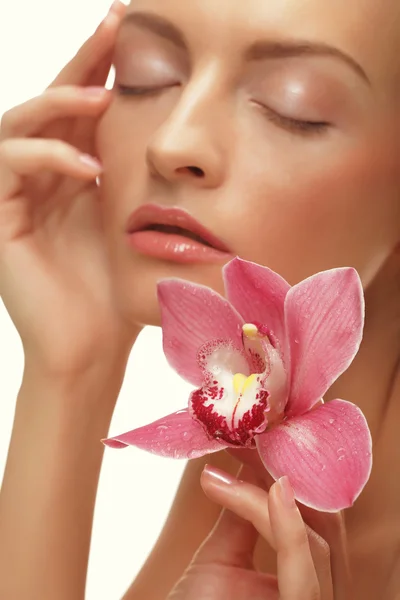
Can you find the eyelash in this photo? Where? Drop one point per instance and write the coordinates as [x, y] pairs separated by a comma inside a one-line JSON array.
[[125, 90], [292, 125], [295, 125]]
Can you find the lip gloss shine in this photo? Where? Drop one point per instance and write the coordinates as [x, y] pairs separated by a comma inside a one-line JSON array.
[[175, 248]]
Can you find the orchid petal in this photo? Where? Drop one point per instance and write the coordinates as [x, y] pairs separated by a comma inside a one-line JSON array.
[[192, 315], [258, 294], [324, 323], [175, 436], [326, 453]]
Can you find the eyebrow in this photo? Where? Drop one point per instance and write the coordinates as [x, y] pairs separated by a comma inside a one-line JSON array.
[[262, 50], [157, 25], [258, 51]]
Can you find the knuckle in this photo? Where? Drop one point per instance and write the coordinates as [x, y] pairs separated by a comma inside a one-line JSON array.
[[321, 546], [299, 540], [297, 544], [324, 549]]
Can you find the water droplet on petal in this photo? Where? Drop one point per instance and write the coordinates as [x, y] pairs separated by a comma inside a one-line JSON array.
[[167, 438], [186, 435], [331, 421], [192, 454]]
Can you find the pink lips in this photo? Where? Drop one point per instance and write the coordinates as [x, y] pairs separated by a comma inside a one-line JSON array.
[[170, 233]]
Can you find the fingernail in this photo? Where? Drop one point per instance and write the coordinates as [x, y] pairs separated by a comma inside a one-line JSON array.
[[95, 91], [286, 492], [91, 162], [218, 477]]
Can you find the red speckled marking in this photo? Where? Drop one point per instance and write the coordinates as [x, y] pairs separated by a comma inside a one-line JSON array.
[[256, 361], [264, 330], [217, 425]]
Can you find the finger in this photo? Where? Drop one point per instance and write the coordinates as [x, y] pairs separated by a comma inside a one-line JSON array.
[[93, 50], [25, 156], [82, 133], [67, 101], [244, 498], [233, 539], [297, 577]]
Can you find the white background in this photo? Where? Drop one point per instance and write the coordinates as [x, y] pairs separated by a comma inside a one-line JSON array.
[[37, 37]]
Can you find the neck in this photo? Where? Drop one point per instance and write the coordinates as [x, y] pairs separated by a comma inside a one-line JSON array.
[[373, 383], [371, 380]]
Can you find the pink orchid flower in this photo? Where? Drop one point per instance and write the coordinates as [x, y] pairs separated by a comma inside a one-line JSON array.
[[262, 360]]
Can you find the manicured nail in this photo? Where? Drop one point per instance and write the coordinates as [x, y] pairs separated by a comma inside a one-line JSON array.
[[95, 91], [219, 478], [90, 162], [286, 492]]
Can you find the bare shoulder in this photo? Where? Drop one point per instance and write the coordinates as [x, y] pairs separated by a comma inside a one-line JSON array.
[[191, 518]]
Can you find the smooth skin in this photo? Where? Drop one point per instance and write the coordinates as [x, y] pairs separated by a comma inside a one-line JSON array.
[[76, 345], [70, 387], [224, 567]]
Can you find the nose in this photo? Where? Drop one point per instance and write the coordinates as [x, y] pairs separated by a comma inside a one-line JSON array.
[[191, 146]]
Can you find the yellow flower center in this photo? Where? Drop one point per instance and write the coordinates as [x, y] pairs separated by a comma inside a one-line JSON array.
[[241, 382]]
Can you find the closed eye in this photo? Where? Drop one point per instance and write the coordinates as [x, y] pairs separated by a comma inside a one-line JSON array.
[[295, 125], [124, 90]]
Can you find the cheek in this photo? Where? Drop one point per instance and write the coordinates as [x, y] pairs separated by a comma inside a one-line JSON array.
[[317, 215], [121, 143]]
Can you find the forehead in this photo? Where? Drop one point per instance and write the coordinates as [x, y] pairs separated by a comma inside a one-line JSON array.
[[368, 30]]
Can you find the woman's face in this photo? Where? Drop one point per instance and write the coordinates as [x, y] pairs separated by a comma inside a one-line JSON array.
[[274, 124]]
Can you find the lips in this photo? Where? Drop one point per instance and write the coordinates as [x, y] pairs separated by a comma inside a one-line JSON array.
[[173, 221], [173, 235]]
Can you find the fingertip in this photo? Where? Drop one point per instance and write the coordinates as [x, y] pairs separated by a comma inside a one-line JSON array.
[[280, 504], [286, 518], [285, 493], [117, 7], [116, 12]]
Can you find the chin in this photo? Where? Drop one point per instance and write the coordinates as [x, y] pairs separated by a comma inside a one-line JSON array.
[[136, 290]]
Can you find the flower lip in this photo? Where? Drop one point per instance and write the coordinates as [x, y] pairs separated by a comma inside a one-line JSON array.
[[150, 215]]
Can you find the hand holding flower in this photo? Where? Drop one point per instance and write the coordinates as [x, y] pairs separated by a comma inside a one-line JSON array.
[[308, 566], [262, 359]]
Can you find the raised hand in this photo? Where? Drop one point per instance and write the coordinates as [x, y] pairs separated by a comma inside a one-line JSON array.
[[53, 265]]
